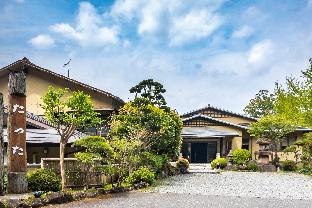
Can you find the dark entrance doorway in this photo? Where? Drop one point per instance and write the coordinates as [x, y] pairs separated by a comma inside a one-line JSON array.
[[203, 152], [199, 152]]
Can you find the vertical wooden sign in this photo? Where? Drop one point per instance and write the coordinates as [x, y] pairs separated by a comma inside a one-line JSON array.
[[17, 161], [1, 146]]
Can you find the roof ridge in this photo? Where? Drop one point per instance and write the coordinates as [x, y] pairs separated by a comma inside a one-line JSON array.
[[220, 109], [221, 121], [29, 63]]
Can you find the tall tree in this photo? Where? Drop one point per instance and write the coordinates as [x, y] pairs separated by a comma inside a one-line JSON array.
[[294, 101], [158, 129], [151, 90], [261, 105], [272, 129], [67, 115]]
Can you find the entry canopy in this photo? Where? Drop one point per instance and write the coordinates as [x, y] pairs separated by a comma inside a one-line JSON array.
[[206, 132]]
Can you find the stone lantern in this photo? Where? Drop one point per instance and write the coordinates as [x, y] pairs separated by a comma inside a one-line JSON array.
[[264, 153]]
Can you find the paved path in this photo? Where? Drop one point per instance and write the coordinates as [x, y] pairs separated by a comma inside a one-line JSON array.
[[227, 189], [201, 168]]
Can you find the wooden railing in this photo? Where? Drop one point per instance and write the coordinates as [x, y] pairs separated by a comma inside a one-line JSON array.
[[77, 174]]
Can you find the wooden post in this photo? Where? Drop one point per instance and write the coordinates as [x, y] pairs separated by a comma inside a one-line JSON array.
[[1, 146], [17, 161]]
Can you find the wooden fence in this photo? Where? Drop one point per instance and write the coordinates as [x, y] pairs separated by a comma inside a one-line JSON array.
[[77, 174]]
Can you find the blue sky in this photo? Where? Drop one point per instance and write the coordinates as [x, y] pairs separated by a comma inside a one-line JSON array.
[[218, 52]]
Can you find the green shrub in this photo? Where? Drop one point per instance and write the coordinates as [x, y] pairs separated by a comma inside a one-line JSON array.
[[170, 170], [306, 171], [183, 165], [141, 175], [43, 180], [155, 162], [252, 165], [241, 156], [289, 165], [222, 161]]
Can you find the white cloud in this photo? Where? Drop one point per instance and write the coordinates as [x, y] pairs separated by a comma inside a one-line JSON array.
[[193, 26], [180, 21], [126, 8], [261, 53], [151, 15], [243, 32], [42, 41], [89, 30]]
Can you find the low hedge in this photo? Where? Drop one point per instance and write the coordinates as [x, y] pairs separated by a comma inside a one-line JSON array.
[[222, 161], [43, 180], [241, 156], [141, 175], [289, 165]]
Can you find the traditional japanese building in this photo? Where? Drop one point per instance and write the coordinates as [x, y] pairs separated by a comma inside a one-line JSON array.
[[212, 132], [41, 138]]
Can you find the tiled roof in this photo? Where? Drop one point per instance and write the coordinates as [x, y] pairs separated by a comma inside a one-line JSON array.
[[33, 117], [39, 136], [216, 120], [299, 128], [26, 62], [218, 109], [204, 132]]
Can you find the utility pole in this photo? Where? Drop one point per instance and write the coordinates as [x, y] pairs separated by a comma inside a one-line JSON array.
[[17, 161]]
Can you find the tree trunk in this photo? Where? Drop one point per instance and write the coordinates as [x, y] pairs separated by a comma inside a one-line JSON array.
[[1, 147], [62, 165]]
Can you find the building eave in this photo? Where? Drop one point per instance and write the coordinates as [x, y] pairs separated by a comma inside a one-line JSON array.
[[220, 110]]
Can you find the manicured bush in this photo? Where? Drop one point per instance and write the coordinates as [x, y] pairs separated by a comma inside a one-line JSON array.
[[43, 180], [252, 165], [183, 165], [222, 161], [241, 156], [289, 165], [141, 175]]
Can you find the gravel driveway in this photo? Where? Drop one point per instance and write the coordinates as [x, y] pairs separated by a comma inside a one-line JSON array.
[[242, 184], [228, 189]]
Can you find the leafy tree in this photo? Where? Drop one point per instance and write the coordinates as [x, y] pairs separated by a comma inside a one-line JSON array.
[[261, 105], [67, 115], [151, 90], [272, 129], [294, 101], [159, 130], [97, 154]]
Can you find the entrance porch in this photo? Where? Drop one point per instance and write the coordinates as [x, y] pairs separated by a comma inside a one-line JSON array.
[[203, 144]]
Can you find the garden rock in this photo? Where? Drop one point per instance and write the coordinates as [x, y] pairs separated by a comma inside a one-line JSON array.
[[58, 198], [78, 195]]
